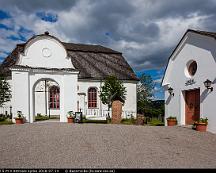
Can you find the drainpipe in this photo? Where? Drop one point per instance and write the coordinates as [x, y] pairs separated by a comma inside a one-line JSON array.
[[45, 96], [101, 111]]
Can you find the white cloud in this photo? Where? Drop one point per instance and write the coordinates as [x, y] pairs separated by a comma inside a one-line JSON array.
[[172, 29], [158, 80]]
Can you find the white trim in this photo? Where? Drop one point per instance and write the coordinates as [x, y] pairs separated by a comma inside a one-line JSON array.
[[102, 80], [61, 71]]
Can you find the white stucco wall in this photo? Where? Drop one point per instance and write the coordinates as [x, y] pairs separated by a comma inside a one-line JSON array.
[[33, 54], [82, 87], [25, 80], [202, 50], [130, 103], [20, 93], [24, 96]]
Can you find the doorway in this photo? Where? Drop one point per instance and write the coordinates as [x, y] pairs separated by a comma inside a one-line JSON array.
[[192, 106], [46, 105]]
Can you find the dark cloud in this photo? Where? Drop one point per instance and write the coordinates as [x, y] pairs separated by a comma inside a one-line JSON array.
[[142, 32], [105, 16], [37, 5], [158, 60], [183, 8]]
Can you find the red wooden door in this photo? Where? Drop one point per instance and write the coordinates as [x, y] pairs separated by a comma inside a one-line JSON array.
[[192, 106]]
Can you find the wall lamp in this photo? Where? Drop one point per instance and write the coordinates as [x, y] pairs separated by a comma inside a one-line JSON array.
[[208, 84], [170, 90]]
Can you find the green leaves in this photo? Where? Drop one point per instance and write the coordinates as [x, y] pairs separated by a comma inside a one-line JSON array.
[[145, 92], [5, 92], [113, 89], [145, 88], [203, 120]]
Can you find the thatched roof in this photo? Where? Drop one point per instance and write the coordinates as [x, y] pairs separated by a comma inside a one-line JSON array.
[[92, 61]]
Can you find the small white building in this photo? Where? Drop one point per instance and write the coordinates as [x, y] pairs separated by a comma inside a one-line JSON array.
[[192, 63], [51, 77]]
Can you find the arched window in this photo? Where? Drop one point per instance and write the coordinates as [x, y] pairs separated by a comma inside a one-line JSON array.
[[92, 98], [54, 97]]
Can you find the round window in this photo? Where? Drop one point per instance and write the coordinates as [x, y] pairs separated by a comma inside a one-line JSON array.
[[192, 68], [46, 52]]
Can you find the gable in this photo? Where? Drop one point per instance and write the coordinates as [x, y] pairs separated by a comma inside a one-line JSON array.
[[194, 45], [44, 51]]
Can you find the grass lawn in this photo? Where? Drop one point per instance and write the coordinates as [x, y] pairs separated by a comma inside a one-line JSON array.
[[41, 118], [45, 117], [128, 121], [155, 122], [6, 122]]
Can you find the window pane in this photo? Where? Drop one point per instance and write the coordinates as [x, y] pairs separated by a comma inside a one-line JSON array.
[[54, 97], [92, 98]]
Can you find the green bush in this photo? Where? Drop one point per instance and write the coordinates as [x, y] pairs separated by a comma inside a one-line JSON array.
[[156, 122], [40, 117], [54, 117], [6, 122], [203, 120], [128, 121], [95, 121], [2, 118]]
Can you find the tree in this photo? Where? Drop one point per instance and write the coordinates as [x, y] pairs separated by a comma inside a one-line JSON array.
[[5, 92], [113, 89], [145, 88], [145, 91]]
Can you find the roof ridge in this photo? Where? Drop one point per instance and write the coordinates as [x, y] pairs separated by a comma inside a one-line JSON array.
[[89, 48], [207, 33]]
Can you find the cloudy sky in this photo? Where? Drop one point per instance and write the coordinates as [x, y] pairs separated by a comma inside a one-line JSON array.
[[145, 31]]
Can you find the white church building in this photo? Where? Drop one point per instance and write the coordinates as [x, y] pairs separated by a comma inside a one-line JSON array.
[[51, 77], [190, 79]]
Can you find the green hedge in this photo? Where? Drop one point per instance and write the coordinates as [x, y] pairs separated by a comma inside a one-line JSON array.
[[156, 122], [41, 118], [128, 121], [6, 122], [95, 121], [2, 119]]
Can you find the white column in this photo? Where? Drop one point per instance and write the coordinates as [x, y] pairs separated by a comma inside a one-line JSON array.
[[68, 95], [20, 93]]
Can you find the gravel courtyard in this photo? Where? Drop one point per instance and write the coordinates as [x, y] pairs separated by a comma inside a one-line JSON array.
[[62, 145]]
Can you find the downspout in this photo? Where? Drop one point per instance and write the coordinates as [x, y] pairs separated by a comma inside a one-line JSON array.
[[45, 82], [101, 111], [29, 105]]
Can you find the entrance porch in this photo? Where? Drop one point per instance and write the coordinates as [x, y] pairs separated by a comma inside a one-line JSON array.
[[24, 81]]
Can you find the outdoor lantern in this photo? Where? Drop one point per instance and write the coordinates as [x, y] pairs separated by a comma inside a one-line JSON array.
[[207, 84], [170, 90]]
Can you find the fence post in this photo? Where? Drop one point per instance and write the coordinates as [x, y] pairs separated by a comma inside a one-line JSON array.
[[11, 112]]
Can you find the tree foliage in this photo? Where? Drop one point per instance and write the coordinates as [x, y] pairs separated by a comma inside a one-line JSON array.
[[145, 88], [145, 92], [5, 92], [113, 89]]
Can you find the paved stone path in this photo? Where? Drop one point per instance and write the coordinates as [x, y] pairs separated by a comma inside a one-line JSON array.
[[62, 145]]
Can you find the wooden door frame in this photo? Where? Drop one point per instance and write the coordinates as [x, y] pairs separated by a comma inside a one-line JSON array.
[[184, 93]]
